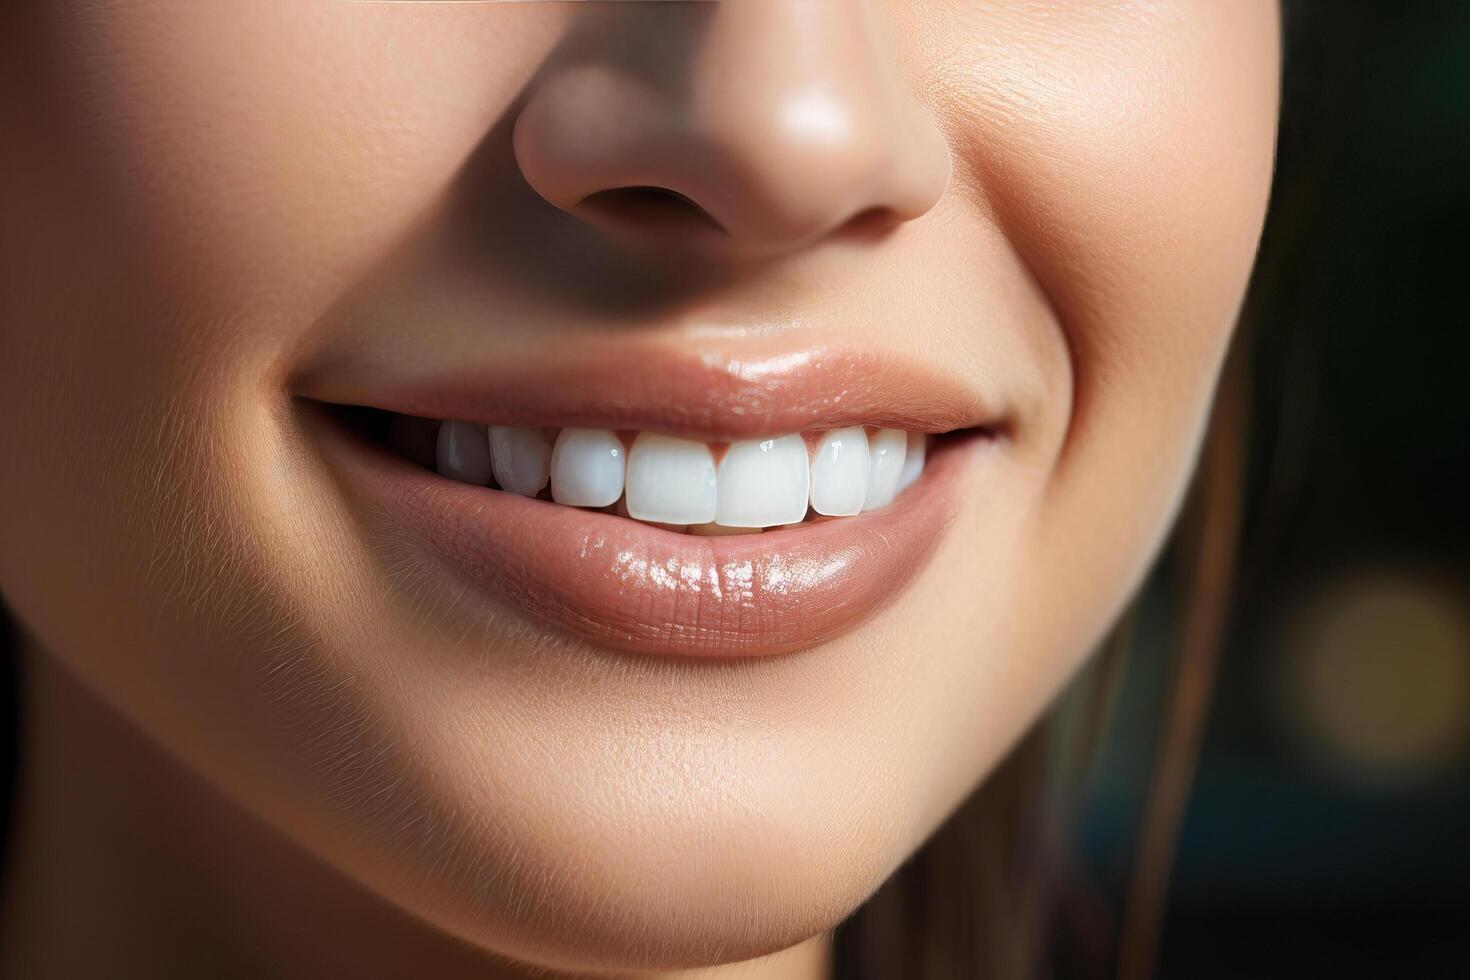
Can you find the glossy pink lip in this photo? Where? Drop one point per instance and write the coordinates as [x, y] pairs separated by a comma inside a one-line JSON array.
[[705, 395], [636, 587], [632, 586]]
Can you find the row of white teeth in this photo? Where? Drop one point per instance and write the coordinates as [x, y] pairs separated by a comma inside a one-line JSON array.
[[688, 485]]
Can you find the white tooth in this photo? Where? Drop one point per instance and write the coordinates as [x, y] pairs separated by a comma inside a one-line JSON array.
[[622, 511], [840, 472], [913, 460], [463, 454], [887, 448], [764, 482], [587, 468], [522, 459], [670, 481]]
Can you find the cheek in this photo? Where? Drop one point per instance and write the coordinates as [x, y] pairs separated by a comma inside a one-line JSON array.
[[199, 182], [1126, 151], [203, 178], [265, 153]]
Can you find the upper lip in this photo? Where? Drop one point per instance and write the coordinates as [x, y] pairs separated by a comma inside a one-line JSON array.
[[711, 394]]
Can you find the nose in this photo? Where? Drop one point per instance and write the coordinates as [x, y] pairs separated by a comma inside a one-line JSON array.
[[758, 125]]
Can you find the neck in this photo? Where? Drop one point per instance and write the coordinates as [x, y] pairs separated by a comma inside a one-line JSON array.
[[122, 863]]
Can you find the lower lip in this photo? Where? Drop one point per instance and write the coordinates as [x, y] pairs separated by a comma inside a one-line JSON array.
[[630, 586]]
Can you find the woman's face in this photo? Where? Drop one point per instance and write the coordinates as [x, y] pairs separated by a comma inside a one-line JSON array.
[[577, 739]]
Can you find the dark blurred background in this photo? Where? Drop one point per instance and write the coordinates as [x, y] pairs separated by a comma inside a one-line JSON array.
[[1328, 830]]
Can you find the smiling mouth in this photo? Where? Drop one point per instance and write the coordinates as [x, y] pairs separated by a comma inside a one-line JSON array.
[[662, 504]]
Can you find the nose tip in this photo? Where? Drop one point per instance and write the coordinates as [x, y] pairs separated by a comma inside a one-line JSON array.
[[786, 125]]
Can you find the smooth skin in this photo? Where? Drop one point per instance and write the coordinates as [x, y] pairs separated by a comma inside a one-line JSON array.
[[260, 741]]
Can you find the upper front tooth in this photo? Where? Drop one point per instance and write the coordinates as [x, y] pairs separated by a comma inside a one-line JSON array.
[[587, 468], [671, 481], [913, 460], [763, 482], [522, 459], [840, 472], [887, 449], [463, 454]]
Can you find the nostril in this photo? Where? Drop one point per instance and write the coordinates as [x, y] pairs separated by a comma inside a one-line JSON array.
[[656, 209]]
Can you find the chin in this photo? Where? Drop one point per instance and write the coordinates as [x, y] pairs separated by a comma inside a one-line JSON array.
[[632, 831]]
